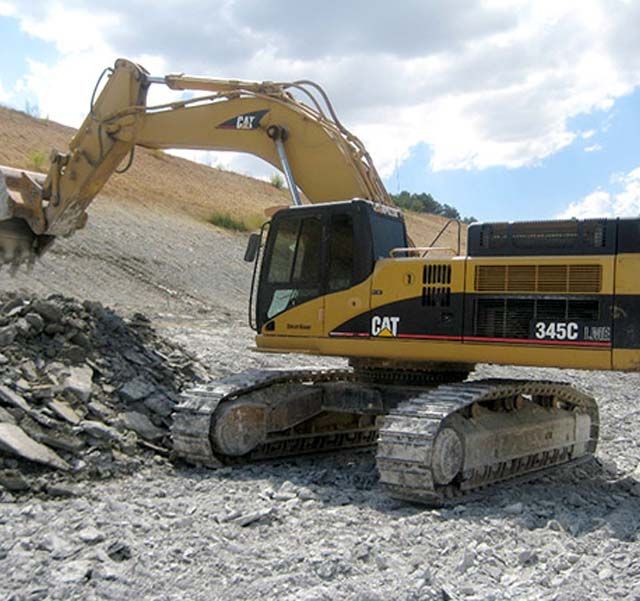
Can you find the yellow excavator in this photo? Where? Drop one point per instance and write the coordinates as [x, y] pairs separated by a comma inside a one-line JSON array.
[[339, 276]]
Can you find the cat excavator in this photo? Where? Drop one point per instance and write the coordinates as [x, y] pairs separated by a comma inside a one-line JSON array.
[[338, 276]]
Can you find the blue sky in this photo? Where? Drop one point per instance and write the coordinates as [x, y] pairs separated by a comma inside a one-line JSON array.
[[541, 190], [14, 63], [505, 110]]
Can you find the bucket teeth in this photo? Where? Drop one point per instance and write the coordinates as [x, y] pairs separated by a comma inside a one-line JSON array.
[[18, 245]]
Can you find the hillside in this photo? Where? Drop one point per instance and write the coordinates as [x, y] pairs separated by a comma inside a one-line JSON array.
[[161, 181]]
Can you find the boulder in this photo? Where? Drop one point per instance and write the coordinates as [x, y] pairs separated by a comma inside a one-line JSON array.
[[48, 310]]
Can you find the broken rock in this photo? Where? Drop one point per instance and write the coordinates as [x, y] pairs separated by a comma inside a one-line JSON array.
[[99, 430], [35, 321], [12, 398], [61, 490], [5, 416], [90, 535], [65, 411], [141, 424], [7, 335], [77, 571], [14, 440], [254, 516], [160, 404], [136, 390], [78, 382], [119, 551], [48, 310], [13, 481]]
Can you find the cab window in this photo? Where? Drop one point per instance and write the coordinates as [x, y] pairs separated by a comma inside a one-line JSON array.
[[340, 253], [295, 268]]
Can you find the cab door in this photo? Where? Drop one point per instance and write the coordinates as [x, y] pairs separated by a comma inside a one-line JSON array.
[[290, 297]]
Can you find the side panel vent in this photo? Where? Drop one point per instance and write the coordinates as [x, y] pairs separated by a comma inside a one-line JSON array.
[[511, 317], [539, 278], [436, 285]]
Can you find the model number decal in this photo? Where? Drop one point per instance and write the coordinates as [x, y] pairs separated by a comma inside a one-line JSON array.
[[570, 330], [557, 330]]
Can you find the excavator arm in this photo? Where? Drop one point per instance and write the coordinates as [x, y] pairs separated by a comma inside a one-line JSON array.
[[307, 142]]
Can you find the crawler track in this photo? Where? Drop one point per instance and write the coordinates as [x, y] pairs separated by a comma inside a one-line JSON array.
[[408, 437], [193, 419]]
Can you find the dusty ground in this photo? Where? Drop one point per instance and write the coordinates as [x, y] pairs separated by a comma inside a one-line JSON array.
[[315, 528]]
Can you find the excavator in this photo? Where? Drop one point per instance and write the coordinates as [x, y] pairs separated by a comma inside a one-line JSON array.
[[338, 276]]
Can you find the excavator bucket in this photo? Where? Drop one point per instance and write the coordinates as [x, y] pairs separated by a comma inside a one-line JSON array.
[[19, 244]]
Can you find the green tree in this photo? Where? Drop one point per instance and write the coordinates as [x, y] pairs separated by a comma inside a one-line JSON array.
[[425, 203]]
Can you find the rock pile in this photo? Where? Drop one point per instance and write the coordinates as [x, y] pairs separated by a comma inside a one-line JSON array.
[[82, 390]]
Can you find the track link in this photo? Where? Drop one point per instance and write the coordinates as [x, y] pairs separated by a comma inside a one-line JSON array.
[[430, 438]]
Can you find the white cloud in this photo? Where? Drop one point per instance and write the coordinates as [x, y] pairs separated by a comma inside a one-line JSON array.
[[602, 203], [63, 88], [7, 9], [484, 84], [593, 148]]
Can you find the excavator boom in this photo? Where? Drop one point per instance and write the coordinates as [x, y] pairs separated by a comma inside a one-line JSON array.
[[305, 141]]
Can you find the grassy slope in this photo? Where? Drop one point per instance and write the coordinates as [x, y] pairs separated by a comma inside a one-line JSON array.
[[163, 182]]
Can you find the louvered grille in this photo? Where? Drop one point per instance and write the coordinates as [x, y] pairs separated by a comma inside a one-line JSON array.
[[520, 277], [436, 285], [585, 278], [511, 317], [491, 278], [539, 278], [552, 278]]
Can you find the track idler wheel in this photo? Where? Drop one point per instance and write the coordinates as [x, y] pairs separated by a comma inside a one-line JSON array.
[[447, 456], [238, 429]]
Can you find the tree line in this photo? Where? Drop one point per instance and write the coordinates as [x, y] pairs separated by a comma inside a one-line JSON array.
[[425, 203]]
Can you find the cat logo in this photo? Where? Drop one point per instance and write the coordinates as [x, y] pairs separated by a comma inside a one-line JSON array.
[[245, 121], [384, 326]]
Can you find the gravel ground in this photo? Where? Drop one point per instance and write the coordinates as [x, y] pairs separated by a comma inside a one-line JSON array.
[[317, 527], [321, 527]]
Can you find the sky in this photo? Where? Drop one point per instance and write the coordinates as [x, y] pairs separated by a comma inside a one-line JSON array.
[[505, 109]]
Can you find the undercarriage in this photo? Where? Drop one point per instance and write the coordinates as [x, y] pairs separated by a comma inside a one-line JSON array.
[[438, 439]]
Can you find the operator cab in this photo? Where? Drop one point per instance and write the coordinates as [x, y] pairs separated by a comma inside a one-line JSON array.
[[314, 250]]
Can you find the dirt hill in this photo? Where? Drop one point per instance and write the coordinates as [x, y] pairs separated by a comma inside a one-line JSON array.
[[161, 181]]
